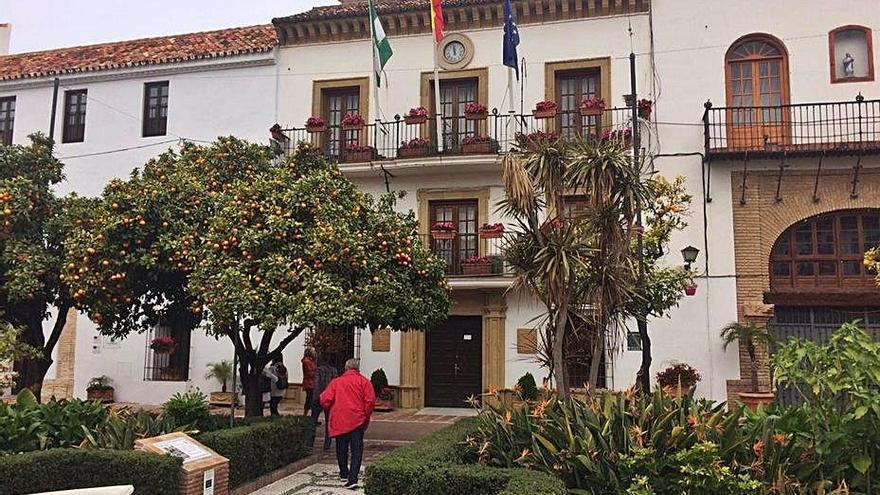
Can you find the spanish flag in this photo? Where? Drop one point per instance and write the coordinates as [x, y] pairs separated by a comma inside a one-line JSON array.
[[437, 19]]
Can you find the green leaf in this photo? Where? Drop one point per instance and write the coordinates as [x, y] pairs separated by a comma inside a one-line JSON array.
[[860, 411], [26, 399], [861, 462]]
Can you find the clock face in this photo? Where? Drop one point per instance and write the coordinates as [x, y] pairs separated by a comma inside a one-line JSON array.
[[454, 52]]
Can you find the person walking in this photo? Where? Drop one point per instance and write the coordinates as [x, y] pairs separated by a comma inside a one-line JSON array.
[[278, 387], [323, 376], [308, 382], [350, 399]]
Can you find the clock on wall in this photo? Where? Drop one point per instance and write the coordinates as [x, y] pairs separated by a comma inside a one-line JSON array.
[[456, 51]]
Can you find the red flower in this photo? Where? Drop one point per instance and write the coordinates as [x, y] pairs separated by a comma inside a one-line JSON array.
[[495, 227], [418, 112], [443, 226], [546, 105], [593, 102], [474, 108], [415, 143], [476, 139], [353, 119], [476, 260], [315, 121]]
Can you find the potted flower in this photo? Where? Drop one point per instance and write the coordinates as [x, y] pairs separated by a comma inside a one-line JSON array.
[[678, 380], [100, 389], [475, 111], [353, 122], [593, 105], [491, 231], [316, 124], [545, 109], [476, 265], [164, 344], [690, 289], [443, 230], [751, 336], [413, 148], [417, 115], [222, 372], [356, 153], [645, 107], [619, 135], [384, 395], [476, 145]]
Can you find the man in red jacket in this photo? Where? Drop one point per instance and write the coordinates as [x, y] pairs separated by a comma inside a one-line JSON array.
[[350, 399]]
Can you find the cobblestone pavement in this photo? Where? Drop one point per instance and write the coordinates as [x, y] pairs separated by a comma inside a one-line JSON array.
[[317, 479]]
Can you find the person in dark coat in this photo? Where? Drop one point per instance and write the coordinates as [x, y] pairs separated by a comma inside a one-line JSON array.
[[323, 376], [308, 383]]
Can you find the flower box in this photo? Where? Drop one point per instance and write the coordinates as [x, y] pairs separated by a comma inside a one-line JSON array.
[[493, 231], [544, 114], [475, 111], [100, 395], [357, 156], [353, 127], [415, 119], [476, 115], [589, 111], [480, 148], [592, 106], [443, 235], [412, 152], [314, 129], [483, 268], [221, 398]]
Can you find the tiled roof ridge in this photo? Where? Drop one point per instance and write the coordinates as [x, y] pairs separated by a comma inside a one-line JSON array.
[[382, 6]]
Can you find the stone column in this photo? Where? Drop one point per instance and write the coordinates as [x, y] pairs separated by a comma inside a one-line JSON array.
[[494, 320]]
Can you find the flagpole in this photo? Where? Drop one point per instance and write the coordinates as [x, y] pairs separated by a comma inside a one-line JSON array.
[[438, 113]]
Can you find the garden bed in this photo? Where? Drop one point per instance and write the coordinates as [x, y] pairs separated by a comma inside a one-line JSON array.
[[437, 465]]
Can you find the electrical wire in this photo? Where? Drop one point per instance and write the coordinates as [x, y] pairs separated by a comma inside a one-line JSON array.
[[117, 150]]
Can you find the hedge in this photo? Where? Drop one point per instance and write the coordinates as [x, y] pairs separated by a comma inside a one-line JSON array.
[[68, 469], [435, 465], [262, 446]]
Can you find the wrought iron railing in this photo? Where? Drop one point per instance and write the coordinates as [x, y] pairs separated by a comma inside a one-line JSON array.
[[842, 128], [393, 139], [469, 254]]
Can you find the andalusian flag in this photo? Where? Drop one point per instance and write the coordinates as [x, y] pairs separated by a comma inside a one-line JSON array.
[[437, 19], [381, 47]]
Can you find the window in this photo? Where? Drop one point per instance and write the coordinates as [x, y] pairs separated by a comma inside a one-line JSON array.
[[74, 116], [574, 207], [336, 103], [168, 366], [852, 54], [155, 108], [633, 341], [454, 95], [825, 252], [7, 119], [572, 87], [463, 215]]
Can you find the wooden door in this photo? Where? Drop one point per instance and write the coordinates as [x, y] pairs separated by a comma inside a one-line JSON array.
[[463, 215], [757, 94], [337, 103], [573, 87], [454, 95], [454, 362]]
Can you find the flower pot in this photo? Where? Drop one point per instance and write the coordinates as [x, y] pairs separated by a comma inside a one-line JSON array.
[[221, 398], [690, 290], [754, 400], [357, 156], [352, 127], [314, 129], [443, 235], [544, 114], [677, 392], [491, 234], [163, 350], [415, 119], [476, 148], [102, 395], [412, 152], [384, 405], [588, 111], [644, 113], [476, 268], [476, 116]]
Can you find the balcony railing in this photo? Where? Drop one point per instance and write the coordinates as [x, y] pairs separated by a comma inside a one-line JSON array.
[[832, 128], [499, 130], [464, 255]]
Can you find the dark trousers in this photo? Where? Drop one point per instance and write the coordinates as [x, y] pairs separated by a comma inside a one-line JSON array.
[[310, 396], [273, 405], [353, 441], [316, 413]]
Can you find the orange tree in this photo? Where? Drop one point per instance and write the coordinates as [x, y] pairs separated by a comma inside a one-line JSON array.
[[252, 249]]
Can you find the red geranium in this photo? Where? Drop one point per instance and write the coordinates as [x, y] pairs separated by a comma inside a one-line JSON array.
[[315, 121], [353, 119], [418, 112], [546, 105], [476, 139], [443, 226], [474, 108], [476, 260], [593, 102]]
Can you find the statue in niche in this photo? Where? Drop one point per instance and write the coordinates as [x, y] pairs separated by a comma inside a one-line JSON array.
[[849, 66]]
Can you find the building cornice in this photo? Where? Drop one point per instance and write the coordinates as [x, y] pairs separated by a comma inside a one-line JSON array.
[[306, 29]]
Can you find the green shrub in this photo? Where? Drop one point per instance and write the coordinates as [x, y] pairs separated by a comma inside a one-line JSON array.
[[528, 389], [436, 465], [262, 446], [28, 425], [121, 429], [68, 469], [187, 409]]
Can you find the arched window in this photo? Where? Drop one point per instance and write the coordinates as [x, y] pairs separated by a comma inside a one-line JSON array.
[[824, 253], [757, 88]]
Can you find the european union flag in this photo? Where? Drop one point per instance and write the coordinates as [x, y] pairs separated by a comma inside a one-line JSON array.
[[511, 38]]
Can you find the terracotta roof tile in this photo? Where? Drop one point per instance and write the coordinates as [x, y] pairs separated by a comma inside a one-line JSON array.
[[387, 6], [147, 51]]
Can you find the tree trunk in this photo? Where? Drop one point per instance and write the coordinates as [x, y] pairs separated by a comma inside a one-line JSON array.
[[596, 358], [31, 371], [750, 347], [643, 377], [560, 370], [253, 402]]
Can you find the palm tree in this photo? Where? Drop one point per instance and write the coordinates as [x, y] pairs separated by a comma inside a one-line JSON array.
[[751, 335], [222, 372]]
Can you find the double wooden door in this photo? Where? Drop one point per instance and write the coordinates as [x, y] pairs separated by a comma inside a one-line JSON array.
[[454, 362]]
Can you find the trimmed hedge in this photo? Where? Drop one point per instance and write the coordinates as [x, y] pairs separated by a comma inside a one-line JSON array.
[[435, 465], [261, 446], [68, 469]]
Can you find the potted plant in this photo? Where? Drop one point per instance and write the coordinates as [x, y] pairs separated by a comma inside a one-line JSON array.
[[413, 148], [316, 124], [163, 344], [475, 111], [353, 122], [690, 289], [476, 145], [535, 139], [491, 231], [645, 107], [356, 153], [443, 230], [222, 372], [417, 115], [751, 335], [619, 135], [384, 395], [593, 105], [476, 265], [678, 380], [100, 389], [545, 109]]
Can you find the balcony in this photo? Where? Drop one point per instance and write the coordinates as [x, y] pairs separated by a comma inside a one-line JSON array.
[[804, 129], [397, 140], [471, 261]]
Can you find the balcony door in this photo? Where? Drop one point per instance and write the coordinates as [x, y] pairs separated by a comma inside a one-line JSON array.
[[573, 87], [455, 94], [337, 103], [757, 91], [462, 215]]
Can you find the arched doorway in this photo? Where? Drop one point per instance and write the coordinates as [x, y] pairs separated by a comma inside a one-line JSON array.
[[818, 280]]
